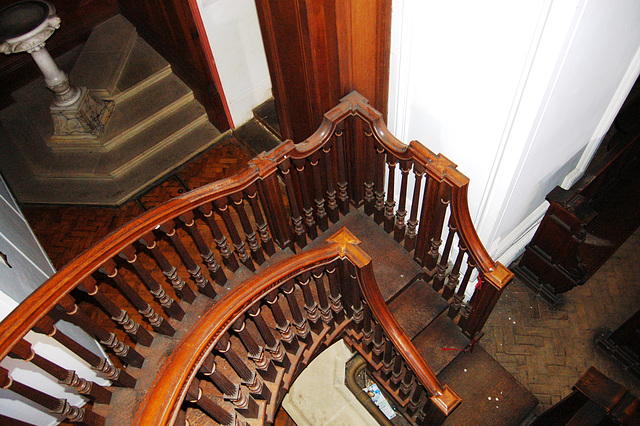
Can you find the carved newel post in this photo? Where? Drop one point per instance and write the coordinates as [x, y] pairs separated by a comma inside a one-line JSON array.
[[24, 27]]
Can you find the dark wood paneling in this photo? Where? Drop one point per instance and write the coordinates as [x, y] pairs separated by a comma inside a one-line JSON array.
[[78, 18], [172, 29], [318, 51]]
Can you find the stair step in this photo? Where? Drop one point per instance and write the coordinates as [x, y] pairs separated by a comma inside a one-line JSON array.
[[104, 57], [256, 137], [440, 343], [144, 67], [416, 307], [117, 161], [267, 115], [490, 395]]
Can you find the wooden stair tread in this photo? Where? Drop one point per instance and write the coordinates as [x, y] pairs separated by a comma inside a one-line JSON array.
[[490, 395], [393, 266], [416, 307], [441, 333]]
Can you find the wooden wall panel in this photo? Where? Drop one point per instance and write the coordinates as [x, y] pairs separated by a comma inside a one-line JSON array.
[[320, 50], [171, 28], [78, 18]]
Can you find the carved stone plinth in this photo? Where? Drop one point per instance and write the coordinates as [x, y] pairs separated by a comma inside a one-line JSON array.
[[84, 119]]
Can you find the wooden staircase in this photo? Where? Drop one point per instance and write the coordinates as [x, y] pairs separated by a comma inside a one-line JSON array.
[[156, 126], [287, 258]]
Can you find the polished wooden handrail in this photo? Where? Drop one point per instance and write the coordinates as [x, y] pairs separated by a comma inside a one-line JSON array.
[[162, 402], [263, 170]]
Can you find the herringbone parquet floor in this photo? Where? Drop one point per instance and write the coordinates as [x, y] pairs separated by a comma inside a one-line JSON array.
[[546, 348]]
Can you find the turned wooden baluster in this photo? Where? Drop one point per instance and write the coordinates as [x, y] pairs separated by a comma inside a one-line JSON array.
[[441, 272], [254, 350], [249, 233], [238, 244], [434, 208], [332, 204], [407, 383], [378, 212], [228, 258], [101, 365], [412, 223], [416, 399], [310, 304], [23, 350], [203, 284], [196, 396], [157, 322], [250, 378], [282, 323], [119, 315], [242, 403], [396, 373], [58, 406], [181, 288], [69, 311], [263, 229], [214, 268], [387, 359], [378, 343], [369, 174], [367, 329], [401, 213], [355, 298], [317, 173], [343, 193], [335, 293], [272, 344], [296, 218], [454, 275], [271, 194], [459, 297], [440, 212], [323, 301], [171, 307], [390, 203], [300, 323], [309, 222]]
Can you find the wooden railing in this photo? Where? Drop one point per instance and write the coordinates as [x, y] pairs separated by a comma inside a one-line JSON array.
[[282, 200], [347, 299]]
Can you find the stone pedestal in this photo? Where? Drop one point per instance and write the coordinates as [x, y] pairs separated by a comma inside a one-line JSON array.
[[76, 114]]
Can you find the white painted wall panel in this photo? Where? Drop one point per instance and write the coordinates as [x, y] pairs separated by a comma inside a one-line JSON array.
[[234, 35]]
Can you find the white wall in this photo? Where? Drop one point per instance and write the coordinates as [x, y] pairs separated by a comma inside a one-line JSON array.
[[234, 35], [517, 93]]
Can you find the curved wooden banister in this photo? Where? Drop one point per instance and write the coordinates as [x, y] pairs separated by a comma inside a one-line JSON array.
[[288, 202], [162, 402]]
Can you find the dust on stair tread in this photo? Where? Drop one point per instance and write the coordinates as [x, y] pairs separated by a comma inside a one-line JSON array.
[[490, 395]]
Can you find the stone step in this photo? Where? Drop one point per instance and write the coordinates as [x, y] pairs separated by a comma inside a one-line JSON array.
[[144, 67], [135, 113], [104, 57], [118, 187], [125, 156]]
